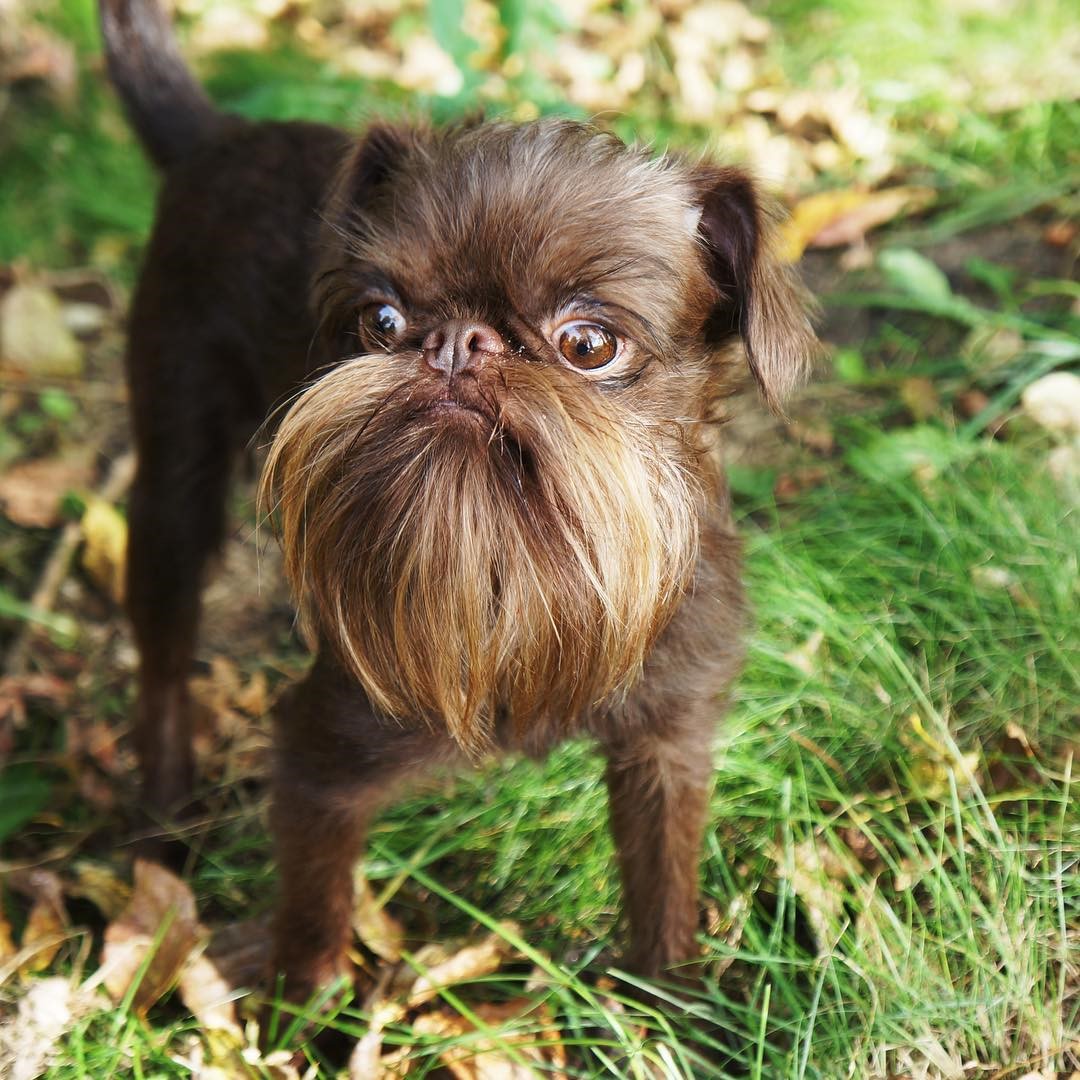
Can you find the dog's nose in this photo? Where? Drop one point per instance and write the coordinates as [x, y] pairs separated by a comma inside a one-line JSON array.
[[461, 345]]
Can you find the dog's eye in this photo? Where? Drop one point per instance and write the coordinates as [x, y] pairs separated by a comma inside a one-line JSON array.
[[381, 325], [587, 345]]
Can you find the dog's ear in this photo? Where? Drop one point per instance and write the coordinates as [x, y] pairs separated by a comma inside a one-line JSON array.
[[760, 298], [376, 157]]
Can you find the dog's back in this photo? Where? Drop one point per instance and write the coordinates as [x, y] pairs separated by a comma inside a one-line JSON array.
[[220, 328]]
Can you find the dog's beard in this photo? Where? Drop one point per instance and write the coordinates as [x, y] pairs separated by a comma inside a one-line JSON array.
[[520, 558]]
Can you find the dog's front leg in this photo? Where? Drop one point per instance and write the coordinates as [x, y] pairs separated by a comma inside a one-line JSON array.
[[658, 789], [336, 764]]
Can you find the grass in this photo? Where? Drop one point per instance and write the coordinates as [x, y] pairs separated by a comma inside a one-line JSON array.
[[892, 873], [895, 877]]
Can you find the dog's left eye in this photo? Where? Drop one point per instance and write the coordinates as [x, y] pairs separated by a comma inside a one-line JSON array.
[[587, 345], [381, 325]]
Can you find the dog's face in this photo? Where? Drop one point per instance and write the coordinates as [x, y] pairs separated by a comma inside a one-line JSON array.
[[492, 503]]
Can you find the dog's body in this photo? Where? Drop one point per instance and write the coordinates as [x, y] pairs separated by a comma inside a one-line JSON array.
[[501, 498]]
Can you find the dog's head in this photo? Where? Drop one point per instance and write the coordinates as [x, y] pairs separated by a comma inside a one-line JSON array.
[[493, 501]]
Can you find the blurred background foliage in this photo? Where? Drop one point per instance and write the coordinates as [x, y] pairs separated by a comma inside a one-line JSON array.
[[975, 96]]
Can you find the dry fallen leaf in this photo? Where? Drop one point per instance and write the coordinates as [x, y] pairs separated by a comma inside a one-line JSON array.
[[471, 962], [1061, 233], [920, 396], [932, 762], [366, 1061], [817, 437], [47, 922], [253, 699], [1053, 402], [508, 1056], [790, 484], [30, 491], [157, 929], [34, 339], [105, 543], [209, 995], [29, 1039], [814, 869], [100, 885], [374, 926], [16, 689], [844, 217], [1063, 464], [241, 951], [879, 208], [804, 658], [7, 941]]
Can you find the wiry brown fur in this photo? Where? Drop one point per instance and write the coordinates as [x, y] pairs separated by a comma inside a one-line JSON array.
[[492, 553], [521, 560]]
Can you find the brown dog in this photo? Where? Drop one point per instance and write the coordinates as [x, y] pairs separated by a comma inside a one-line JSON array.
[[499, 483]]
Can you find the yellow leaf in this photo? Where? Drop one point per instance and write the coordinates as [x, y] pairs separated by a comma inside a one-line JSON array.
[[845, 216], [105, 543], [811, 215]]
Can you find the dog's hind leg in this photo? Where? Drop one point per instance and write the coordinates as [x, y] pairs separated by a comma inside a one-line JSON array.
[[186, 438]]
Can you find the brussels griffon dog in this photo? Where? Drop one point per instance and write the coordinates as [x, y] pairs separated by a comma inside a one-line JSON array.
[[498, 480]]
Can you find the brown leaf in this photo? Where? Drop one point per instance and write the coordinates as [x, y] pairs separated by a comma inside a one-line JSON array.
[[158, 929], [862, 847], [813, 870], [40, 56], [969, 403], [1063, 465], [34, 338], [1061, 233], [790, 484], [366, 1061], [817, 437], [16, 689], [253, 699], [30, 491]]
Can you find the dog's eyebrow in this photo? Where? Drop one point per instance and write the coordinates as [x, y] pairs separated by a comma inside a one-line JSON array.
[[340, 280]]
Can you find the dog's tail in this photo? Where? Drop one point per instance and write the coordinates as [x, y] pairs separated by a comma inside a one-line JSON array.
[[166, 107]]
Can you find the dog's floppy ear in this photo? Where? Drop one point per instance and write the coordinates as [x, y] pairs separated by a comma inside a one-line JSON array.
[[760, 298]]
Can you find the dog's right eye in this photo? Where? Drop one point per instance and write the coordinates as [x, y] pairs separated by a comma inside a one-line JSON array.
[[381, 325]]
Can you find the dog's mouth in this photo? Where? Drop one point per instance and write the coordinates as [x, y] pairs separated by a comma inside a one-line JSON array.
[[455, 401], [449, 406]]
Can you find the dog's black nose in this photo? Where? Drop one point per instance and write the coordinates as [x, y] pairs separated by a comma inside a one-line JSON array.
[[461, 345]]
